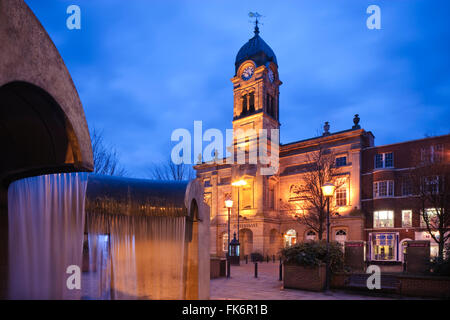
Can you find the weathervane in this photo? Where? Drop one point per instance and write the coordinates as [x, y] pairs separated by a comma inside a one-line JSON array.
[[255, 15]]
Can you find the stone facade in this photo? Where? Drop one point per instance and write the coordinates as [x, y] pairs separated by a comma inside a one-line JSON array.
[[268, 215]]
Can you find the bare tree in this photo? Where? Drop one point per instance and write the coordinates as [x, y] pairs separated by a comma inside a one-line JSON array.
[[106, 159], [319, 168], [170, 171], [430, 181]]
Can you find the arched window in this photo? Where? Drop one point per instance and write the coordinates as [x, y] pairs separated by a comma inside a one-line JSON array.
[[252, 102], [311, 235], [290, 238], [244, 105], [341, 236]]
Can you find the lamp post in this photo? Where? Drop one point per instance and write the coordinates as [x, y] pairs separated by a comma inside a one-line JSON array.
[[328, 191], [238, 184], [229, 205]]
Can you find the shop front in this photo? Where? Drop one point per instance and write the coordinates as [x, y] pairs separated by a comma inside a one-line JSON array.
[[384, 246]]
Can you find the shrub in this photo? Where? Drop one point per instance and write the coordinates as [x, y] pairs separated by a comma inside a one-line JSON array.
[[314, 254], [441, 267]]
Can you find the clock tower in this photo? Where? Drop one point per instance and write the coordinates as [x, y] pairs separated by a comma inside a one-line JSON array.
[[256, 106]]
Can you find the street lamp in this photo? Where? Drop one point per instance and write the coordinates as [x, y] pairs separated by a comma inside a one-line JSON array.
[[328, 191], [239, 183], [229, 205]]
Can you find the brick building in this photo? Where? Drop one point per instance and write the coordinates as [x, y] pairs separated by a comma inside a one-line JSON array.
[[392, 215]]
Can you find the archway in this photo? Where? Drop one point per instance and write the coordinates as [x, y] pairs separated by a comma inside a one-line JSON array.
[[36, 139], [246, 241]]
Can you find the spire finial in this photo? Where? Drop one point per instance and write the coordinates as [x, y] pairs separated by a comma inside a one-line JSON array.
[[255, 15]]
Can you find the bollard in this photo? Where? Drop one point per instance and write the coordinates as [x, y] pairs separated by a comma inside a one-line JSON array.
[[246, 259], [281, 272], [273, 258], [256, 269], [267, 259], [228, 268]]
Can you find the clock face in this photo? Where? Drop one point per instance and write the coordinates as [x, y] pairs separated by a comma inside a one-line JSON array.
[[271, 76], [248, 73]]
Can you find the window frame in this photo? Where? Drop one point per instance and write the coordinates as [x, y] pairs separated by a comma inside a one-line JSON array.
[[390, 189], [383, 160], [376, 218], [410, 218]]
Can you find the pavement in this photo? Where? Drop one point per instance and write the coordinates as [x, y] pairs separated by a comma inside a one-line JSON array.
[[244, 286]]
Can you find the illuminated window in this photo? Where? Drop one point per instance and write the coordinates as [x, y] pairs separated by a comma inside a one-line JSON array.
[[433, 218], [383, 189], [290, 238], [311, 235], [341, 197], [247, 196], [383, 219], [406, 218]]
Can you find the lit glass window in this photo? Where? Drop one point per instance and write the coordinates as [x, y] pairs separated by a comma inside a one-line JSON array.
[[406, 218], [290, 238], [433, 218], [383, 219], [341, 197]]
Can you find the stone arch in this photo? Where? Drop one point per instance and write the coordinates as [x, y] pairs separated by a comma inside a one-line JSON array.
[[35, 80], [39, 74]]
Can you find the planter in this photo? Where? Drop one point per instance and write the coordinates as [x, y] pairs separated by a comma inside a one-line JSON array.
[[304, 278], [217, 268]]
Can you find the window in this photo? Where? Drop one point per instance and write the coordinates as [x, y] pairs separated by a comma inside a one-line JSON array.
[[384, 246], [383, 189], [341, 197], [406, 187], [434, 153], [384, 160], [341, 161], [310, 235], [383, 219], [271, 197], [225, 242], [431, 184], [290, 238], [433, 218], [247, 196], [406, 218], [341, 237]]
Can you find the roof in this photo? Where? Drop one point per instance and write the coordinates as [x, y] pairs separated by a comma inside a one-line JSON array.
[[256, 49]]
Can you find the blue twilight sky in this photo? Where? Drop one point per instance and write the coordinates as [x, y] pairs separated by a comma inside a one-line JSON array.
[[145, 68]]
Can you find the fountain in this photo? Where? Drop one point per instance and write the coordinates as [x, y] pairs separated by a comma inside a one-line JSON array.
[[137, 239], [131, 238]]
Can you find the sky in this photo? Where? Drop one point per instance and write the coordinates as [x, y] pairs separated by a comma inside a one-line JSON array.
[[144, 68]]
